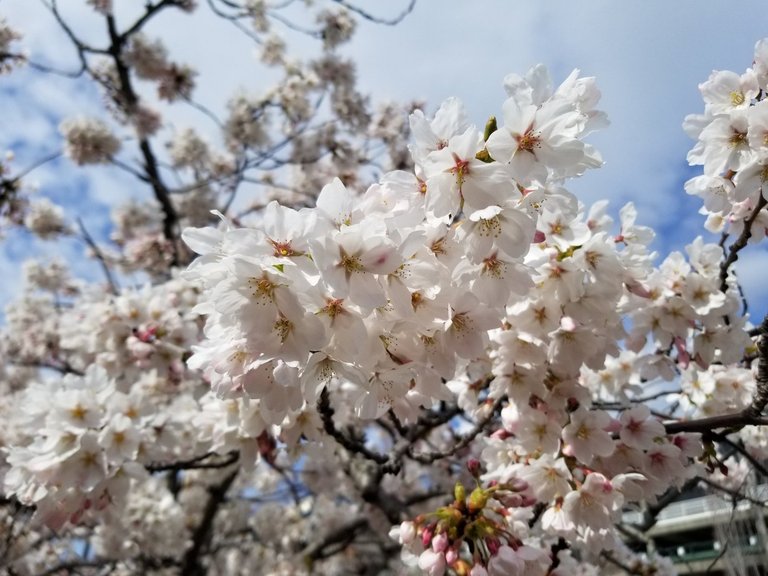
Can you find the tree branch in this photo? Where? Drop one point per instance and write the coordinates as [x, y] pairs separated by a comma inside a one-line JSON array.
[[704, 425], [197, 463], [162, 195], [464, 441], [377, 20], [334, 541], [752, 414], [760, 397], [99, 256], [740, 243], [191, 564], [326, 412], [150, 11]]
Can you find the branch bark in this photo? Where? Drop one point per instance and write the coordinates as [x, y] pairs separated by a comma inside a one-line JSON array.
[[191, 563], [151, 167]]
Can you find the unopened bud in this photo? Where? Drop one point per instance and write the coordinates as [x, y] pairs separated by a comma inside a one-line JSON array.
[[490, 127], [474, 467], [493, 545], [440, 542], [459, 493], [426, 535], [477, 500]]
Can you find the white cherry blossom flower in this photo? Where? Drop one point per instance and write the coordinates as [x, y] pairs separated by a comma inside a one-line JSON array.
[[586, 434]]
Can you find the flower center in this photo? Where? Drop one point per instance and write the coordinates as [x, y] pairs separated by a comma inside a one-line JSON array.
[[529, 141], [737, 98], [283, 249]]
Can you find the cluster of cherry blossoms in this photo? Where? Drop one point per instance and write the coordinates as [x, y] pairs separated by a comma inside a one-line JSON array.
[[7, 37], [463, 329], [731, 139], [80, 439], [83, 448], [732, 146], [397, 290], [479, 277]]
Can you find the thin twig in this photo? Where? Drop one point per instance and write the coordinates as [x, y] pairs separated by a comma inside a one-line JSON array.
[[735, 494], [335, 541], [150, 11], [377, 20], [99, 257], [42, 67], [463, 442]]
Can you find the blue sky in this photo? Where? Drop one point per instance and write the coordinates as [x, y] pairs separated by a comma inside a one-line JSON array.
[[648, 58]]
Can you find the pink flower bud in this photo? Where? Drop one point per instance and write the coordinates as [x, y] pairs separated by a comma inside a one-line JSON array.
[[474, 467], [426, 535], [510, 500], [440, 542], [493, 545]]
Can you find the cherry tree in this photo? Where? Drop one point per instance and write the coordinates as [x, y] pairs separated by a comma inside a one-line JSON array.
[[338, 337]]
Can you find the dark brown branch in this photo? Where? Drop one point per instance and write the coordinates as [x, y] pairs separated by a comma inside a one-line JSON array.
[[74, 567], [61, 366], [652, 511], [198, 463], [150, 11], [463, 442], [191, 563], [752, 414], [705, 425], [760, 397], [632, 533], [334, 541], [628, 569], [414, 499], [355, 445], [151, 167]]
